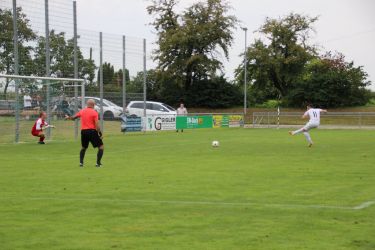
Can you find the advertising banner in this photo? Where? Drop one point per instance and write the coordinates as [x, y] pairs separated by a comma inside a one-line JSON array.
[[220, 121], [185, 122], [235, 121], [131, 124], [172, 122], [161, 122]]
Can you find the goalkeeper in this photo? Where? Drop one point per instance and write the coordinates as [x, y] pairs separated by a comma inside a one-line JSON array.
[[90, 131], [39, 126]]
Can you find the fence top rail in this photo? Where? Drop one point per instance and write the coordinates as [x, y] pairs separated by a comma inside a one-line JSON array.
[[42, 78], [324, 114], [196, 114], [199, 114]]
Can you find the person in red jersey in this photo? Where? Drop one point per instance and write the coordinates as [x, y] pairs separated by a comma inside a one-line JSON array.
[[39, 126], [90, 131]]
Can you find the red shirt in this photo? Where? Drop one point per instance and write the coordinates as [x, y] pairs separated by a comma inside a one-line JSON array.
[[89, 117], [38, 126]]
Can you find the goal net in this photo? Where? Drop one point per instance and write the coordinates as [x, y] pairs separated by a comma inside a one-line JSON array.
[[23, 98]]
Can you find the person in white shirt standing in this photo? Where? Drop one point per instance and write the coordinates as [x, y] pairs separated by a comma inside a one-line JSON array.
[[27, 101], [314, 122], [181, 111]]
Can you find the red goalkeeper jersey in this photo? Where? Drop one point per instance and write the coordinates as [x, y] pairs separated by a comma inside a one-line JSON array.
[[38, 125]]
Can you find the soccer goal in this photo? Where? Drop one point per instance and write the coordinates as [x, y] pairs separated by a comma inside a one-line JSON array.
[[23, 98]]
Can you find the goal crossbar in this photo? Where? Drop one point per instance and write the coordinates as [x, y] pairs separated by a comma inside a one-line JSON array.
[[42, 78]]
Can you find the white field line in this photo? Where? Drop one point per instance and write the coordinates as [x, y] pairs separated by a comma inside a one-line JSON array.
[[197, 203], [364, 205]]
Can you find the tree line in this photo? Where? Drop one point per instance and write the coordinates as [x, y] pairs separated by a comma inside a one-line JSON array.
[[284, 67]]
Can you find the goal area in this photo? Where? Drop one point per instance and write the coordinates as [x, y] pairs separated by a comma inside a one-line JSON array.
[[23, 98]]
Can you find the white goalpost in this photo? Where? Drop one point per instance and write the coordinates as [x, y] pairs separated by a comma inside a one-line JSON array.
[[24, 97]]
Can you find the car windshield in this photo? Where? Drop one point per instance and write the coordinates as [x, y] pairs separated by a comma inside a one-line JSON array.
[[109, 103], [169, 107]]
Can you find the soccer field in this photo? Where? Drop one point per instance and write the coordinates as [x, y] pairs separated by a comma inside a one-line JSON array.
[[261, 189]]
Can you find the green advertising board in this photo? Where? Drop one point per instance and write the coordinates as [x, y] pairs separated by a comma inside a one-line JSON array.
[[185, 122]]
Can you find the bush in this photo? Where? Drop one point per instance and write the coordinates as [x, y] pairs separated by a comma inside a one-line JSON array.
[[269, 104]]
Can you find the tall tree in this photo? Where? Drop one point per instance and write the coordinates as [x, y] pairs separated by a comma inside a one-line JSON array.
[[279, 61], [119, 75], [25, 35], [190, 43], [285, 66], [62, 57], [331, 81], [108, 73]]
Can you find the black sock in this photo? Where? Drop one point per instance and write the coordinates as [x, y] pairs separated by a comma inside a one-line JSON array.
[[99, 156], [82, 155]]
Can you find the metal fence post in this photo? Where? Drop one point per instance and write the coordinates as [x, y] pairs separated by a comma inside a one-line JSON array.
[[278, 117], [144, 81], [123, 75], [101, 81], [16, 66], [48, 71], [83, 94], [245, 74], [75, 62]]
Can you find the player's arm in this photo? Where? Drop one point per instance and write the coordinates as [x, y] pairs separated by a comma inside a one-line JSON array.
[[47, 126], [97, 125], [72, 118], [323, 111], [305, 115]]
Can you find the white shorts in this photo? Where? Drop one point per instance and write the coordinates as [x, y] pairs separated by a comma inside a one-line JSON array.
[[310, 125]]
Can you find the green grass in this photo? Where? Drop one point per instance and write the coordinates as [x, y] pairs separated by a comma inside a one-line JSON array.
[[262, 189]]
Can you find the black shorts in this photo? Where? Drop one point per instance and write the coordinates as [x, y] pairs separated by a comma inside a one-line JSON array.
[[90, 135]]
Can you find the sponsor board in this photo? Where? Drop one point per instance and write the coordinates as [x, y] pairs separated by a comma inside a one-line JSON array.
[[186, 122], [235, 121], [220, 121], [161, 122], [131, 123]]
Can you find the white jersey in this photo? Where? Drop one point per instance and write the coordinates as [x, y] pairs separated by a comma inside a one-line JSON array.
[[182, 111], [27, 101], [314, 115]]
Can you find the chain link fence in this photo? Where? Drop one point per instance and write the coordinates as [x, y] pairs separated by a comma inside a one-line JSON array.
[[42, 38], [356, 120]]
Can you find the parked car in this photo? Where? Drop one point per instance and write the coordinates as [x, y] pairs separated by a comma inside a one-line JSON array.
[[135, 108], [110, 110]]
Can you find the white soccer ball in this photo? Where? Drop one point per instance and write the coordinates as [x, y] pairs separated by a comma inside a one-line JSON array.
[[215, 144]]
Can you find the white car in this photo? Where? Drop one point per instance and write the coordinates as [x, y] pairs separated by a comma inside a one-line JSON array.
[[110, 110], [135, 108]]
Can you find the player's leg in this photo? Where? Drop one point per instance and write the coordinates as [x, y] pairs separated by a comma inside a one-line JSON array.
[[308, 138], [99, 156], [82, 156], [307, 134], [97, 142], [41, 137], [84, 143], [301, 130]]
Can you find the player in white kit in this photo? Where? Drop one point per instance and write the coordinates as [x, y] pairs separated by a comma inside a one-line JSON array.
[[314, 122]]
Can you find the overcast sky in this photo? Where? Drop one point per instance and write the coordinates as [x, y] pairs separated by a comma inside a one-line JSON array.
[[347, 26]]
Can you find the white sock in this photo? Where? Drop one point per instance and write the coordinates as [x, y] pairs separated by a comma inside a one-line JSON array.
[[297, 131], [308, 137]]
